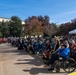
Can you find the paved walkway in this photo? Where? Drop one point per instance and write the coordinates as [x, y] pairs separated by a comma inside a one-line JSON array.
[[13, 62]]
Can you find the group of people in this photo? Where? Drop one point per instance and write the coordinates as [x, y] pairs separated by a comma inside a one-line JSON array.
[[45, 47], [3, 40], [63, 48]]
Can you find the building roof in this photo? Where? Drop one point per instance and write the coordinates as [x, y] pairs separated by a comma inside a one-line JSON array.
[[5, 18], [8, 19]]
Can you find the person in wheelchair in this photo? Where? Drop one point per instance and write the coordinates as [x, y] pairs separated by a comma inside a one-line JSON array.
[[63, 51]]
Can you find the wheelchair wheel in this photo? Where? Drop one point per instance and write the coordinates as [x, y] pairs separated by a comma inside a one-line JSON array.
[[69, 65], [57, 66]]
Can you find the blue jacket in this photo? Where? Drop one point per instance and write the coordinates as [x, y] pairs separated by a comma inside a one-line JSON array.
[[36, 45], [64, 52]]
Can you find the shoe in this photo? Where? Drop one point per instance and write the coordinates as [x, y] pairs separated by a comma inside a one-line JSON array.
[[47, 63], [50, 69], [33, 53]]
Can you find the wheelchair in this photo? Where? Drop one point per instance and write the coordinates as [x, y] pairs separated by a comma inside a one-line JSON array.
[[67, 64]]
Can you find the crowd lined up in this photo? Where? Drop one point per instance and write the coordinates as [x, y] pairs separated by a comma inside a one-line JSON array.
[[65, 47], [43, 45]]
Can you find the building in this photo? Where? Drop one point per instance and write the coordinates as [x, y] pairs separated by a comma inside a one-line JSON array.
[[7, 19], [4, 19]]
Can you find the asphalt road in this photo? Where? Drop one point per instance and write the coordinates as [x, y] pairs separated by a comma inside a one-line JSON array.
[[14, 62]]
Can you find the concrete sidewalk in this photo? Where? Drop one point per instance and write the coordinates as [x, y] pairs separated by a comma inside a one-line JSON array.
[[14, 62]]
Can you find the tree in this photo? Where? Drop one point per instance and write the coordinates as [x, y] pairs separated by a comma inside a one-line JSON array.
[[15, 26], [0, 29], [38, 25], [4, 30], [66, 27], [33, 26]]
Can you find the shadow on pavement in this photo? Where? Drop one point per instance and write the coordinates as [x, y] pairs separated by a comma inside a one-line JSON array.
[[35, 71], [37, 62]]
